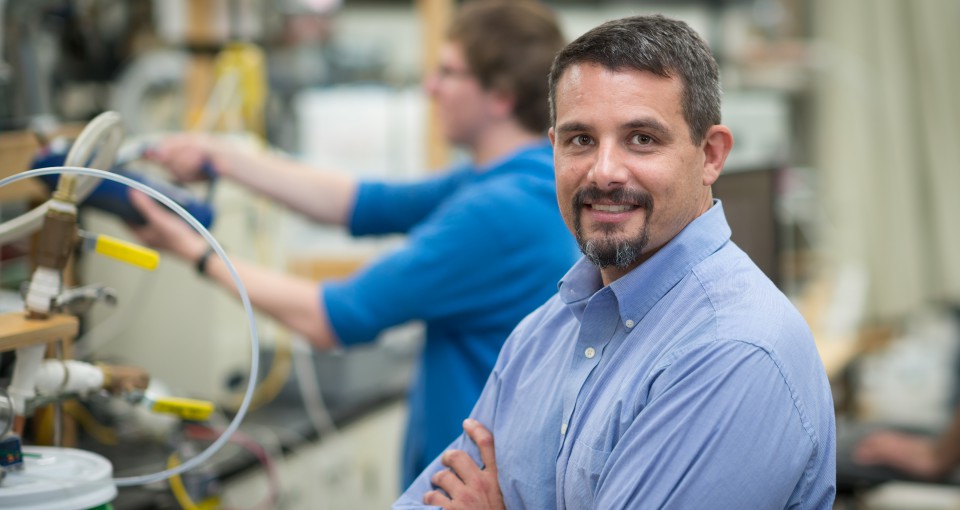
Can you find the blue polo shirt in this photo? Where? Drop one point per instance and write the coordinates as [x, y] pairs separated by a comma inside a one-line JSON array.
[[485, 247]]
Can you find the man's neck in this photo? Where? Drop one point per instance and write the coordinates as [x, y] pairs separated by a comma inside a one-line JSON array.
[[500, 141]]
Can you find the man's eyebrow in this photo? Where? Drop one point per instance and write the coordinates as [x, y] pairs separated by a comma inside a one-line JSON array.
[[649, 124], [567, 127]]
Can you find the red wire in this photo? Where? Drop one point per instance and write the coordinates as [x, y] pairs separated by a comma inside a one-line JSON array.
[[203, 433]]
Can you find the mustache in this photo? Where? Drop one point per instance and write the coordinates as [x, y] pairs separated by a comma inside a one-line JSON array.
[[593, 194]]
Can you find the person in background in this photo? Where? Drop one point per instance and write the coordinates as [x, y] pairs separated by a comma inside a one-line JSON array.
[[918, 455], [668, 371], [485, 242]]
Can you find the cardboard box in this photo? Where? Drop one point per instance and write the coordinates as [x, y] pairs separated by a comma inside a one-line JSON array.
[[17, 149]]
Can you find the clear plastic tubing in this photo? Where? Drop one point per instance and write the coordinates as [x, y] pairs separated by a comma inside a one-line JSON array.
[[251, 322]]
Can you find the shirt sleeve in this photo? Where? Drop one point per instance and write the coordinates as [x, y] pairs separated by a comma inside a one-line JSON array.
[[485, 413], [444, 272], [686, 448], [395, 208]]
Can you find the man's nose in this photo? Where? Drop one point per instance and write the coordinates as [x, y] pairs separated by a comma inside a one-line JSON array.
[[609, 169]]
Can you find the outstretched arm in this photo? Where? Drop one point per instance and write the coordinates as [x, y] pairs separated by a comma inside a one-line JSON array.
[[294, 302], [324, 196], [920, 456]]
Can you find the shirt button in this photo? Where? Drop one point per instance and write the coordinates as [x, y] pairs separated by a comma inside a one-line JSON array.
[[563, 429], [590, 352], [629, 323]]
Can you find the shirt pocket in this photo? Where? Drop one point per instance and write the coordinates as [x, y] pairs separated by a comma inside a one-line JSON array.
[[527, 480], [524, 495], [583, 475]]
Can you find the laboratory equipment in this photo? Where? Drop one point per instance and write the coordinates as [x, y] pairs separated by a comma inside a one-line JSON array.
[[113, 197], [71, 477]]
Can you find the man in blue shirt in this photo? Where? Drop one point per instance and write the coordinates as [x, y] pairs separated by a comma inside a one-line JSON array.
[[668, 371], [485, 241]]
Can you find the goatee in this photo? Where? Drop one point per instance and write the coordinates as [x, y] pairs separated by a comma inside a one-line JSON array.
[[610, 249]]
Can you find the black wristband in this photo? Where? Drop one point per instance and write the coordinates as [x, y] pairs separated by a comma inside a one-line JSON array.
[[201, 264]]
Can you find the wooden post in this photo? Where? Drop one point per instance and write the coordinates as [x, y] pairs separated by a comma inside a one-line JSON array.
[[435, 17], [202, 30]]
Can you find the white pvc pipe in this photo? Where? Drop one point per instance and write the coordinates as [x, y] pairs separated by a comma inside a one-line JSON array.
[[57, 377], [23, 384]]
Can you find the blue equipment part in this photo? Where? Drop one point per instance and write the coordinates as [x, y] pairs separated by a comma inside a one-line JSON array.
[[11, 452], [113, 197]]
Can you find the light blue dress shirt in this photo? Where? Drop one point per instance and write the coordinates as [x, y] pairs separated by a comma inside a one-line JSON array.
[[689, 383]]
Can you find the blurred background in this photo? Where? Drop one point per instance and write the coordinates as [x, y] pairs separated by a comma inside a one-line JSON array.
[[841, 186]]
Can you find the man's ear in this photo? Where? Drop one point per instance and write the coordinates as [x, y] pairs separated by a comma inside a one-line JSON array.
[[552, 136], [716, 146], [502, 102]]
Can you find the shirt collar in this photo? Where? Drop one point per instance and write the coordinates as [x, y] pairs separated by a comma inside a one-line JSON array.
[[638, 290]]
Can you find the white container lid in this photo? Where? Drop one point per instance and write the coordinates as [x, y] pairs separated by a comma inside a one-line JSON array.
[[56, 478]]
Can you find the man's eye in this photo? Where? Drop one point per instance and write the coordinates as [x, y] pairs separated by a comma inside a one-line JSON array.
[[642, 140], [581, 140]]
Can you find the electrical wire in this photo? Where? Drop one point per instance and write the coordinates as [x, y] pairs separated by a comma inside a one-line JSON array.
[[98, 431], [45, 422], [310, 392], [273, 382], [180, 492], [241, 289], [204, 433]]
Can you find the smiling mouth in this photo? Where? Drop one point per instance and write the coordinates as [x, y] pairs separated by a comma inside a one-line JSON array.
[[612, 208]]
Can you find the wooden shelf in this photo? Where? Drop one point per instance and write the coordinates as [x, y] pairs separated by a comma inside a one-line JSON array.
[[16, 330], [17, 149]]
